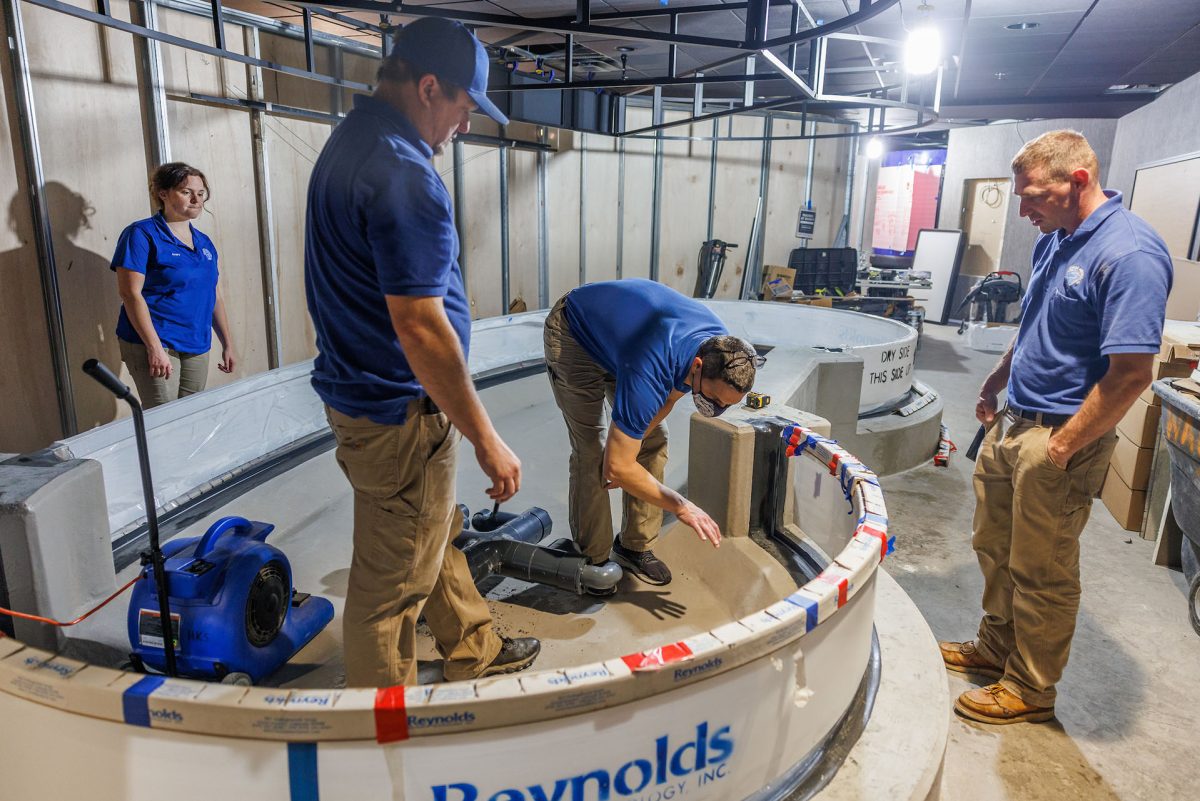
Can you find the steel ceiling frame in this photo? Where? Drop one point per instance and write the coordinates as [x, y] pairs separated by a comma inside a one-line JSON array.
[[756, 44], [583, 21], [809, 84]]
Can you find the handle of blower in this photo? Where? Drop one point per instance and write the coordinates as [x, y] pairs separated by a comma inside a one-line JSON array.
[[238, 525], [97, 370], [973, 451], [102, 374]]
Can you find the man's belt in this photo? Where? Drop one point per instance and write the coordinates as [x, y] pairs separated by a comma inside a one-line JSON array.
[[428, 406], [1038, 418]]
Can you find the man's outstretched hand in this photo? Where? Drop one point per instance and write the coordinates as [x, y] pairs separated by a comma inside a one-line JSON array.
[[705, 527]]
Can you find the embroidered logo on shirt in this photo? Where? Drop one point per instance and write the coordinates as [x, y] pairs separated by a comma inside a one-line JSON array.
[[1074, 275], [207, 255]]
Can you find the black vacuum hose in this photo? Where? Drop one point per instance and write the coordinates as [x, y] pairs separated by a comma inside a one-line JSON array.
[[511, 551]]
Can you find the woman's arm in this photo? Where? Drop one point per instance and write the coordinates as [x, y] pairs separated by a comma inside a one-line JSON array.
[[129, 286], [221, 326]]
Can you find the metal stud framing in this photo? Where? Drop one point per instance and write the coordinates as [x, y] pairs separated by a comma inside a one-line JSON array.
[[36, 180]]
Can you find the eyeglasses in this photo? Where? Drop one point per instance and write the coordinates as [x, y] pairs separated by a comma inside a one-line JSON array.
[[745, 358]]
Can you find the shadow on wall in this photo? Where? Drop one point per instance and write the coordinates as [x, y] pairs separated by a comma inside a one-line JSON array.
[[88, 298]]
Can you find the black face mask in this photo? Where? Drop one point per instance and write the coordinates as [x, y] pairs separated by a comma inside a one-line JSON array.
[[709, 407]]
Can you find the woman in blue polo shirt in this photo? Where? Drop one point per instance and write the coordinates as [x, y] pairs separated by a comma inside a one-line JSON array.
[[170, 299]]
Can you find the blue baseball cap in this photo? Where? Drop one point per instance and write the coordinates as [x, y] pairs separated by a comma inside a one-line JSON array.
[[448, 50]]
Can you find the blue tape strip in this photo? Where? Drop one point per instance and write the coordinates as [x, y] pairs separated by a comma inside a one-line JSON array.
[[302, 772], [810, 610], [135, 702], [891, 544], [871, 517], [799, 447]]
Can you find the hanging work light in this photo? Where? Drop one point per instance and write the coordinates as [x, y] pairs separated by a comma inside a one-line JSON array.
[[874, 147], [923, 52]]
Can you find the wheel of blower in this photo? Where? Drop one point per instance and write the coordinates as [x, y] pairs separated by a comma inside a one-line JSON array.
[[237, 679], [267, 604]]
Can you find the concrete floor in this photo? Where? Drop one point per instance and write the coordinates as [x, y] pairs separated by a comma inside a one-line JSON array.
[[1128, 711]]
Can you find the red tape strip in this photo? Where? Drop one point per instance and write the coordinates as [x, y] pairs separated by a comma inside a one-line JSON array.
[[881, 535], [391, 718], [841, 584], [656, 658]]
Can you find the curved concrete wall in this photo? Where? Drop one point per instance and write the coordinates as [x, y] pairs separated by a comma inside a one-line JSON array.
[[719, 715]]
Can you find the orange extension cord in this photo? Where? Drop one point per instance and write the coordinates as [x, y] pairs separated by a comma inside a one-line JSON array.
[[79, 619]]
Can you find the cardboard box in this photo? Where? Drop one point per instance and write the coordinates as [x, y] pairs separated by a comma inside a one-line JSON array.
[[1181, 343], [1184, 301], [1126, 504], [1165, 369], [1132, 462], [1140, 423], [825, 303], [786, 276]]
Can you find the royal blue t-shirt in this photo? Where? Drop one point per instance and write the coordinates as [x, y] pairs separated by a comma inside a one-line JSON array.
[[380, 222], [180, 287], [1102, 290], [645, 334]]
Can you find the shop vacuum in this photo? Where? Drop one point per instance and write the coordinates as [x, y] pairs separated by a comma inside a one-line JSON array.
[[235, 616]]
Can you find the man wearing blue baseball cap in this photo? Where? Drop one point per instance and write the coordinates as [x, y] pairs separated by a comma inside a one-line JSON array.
[[393, 327]]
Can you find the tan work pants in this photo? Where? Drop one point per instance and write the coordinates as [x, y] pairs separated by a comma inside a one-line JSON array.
[[1029, 514], [580, 389], [189, 374], [404, 564]]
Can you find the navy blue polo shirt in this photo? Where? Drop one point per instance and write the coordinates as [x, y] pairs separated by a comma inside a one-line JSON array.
[[1099, 291], [380, 222], [645, 334], [180, 287]]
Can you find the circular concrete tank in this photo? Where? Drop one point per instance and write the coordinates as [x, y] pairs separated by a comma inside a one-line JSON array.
[[726, 685]]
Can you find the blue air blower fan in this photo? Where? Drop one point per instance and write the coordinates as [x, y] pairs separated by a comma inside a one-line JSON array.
[[233, 607], [234, 613]]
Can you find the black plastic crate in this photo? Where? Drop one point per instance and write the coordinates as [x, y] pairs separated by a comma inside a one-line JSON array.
[[830, 269]]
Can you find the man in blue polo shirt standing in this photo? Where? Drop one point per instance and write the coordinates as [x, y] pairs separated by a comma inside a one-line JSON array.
[[641, 346], [393, 328], [1092, 324]]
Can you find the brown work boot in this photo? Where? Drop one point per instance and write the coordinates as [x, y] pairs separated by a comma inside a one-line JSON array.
[[515, 654], [995, 704], [961, 657]]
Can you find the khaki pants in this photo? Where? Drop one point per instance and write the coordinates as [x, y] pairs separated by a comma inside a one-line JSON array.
[[580, 388], [404, 564], [1028, 518], [189, 374]]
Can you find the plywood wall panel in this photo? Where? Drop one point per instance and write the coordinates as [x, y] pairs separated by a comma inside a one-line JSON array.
[[739, 166], [292, 149], [639, 197], [683, 218], [93, 157], [786, 191], [601, 189], [829, 183], [290, 90], [481, 248], [563, 189], [523, 227], [30, 420]]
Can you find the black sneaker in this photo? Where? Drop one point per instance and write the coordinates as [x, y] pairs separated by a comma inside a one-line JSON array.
[[644, 564], [515, 654]]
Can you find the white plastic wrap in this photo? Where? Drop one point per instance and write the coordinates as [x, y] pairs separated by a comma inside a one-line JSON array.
[[500, 342], [201, 437]]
